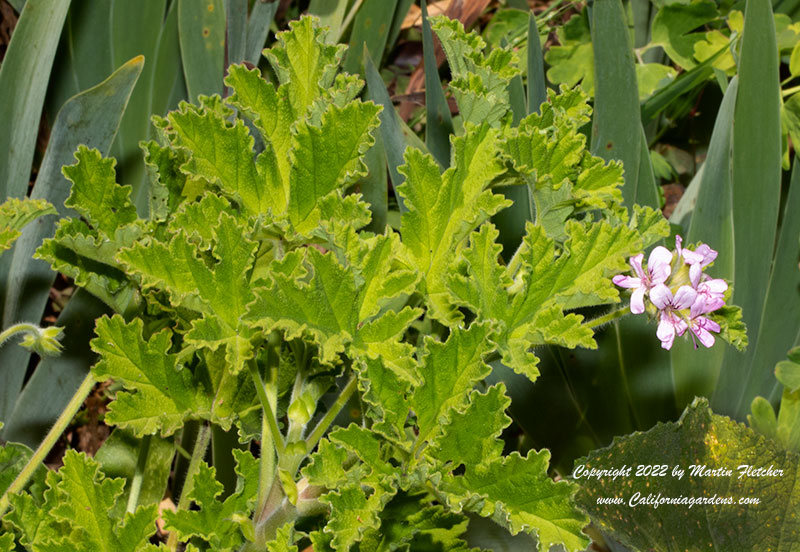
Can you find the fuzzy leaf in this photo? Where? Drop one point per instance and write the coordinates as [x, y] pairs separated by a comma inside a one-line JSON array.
[[384, 392], [304, 62], [16, 213], [166, 393], [444, 209], [223, 155], [85, 502], [708, 441], [220, 292], [517, 493], [449, 371], [334, 302], [95, 193], [218, 522], [327, 157], [352, 513]]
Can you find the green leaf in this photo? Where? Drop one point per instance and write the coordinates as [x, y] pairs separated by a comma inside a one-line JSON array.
[[443, 209], [384, 392], [708, 441], [219, 523], [673, 25], [202, 37], [352, 513], [304, 62], [223, 155], [516, 493], [95, 193], [16, 213], [23, 90], [530, 308], [92, 118], [756, 191], [166, 393], [85, 502], [328, 157], [220, 291], [438, 120], [119, 455], [367, 446], [13, 458], [333, 302], [472, 438], [449, 371], [616, 128]]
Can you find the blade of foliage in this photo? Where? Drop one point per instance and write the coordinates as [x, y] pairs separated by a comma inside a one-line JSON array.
[[438, 122], [370, 31], [118, 457], [261, 16], [617, 132], [92, 118], [700, 438], [756, 179], [537, 85], [33, 45], [695, 371], [202, 37]]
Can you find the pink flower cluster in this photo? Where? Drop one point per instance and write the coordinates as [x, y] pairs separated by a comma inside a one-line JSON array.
[[679, 290]]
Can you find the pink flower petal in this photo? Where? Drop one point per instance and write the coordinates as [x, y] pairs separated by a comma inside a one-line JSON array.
[[637, 301], [626, 281], [684, 298], [636, 264], [661, 296], [659, 265]]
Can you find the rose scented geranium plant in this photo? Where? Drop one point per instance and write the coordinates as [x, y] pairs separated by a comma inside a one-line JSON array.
[[252, 303]]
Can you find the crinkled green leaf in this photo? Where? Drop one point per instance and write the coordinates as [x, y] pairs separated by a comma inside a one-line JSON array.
[[95, 193], [472, 437], [449, 371], [85, 501], [285, 539], [271, 113], [7, 542], [444, 209], [700, 438], [166, 393], [218, 522], [384, 393], [367, 446], [222, 154], [352, 513], [530, 308], [732, 327], [166, 179], [328, 156], [334, 302], [304, 62], [329, 467], [410, 522], [517, 493], [16, 213], [220, 291]]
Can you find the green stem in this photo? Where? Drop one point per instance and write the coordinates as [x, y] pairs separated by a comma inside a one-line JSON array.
[[327, 420], [138, 475], [49, 441], [22, 327], [608, 317], [266, 406], [790, 91], [198, 453]]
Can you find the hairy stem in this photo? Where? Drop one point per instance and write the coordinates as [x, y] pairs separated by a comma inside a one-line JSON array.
[[608, 317], [327, 420], [49, 441], [22, 327], [198, 453], [266, 406], [138, 476]]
